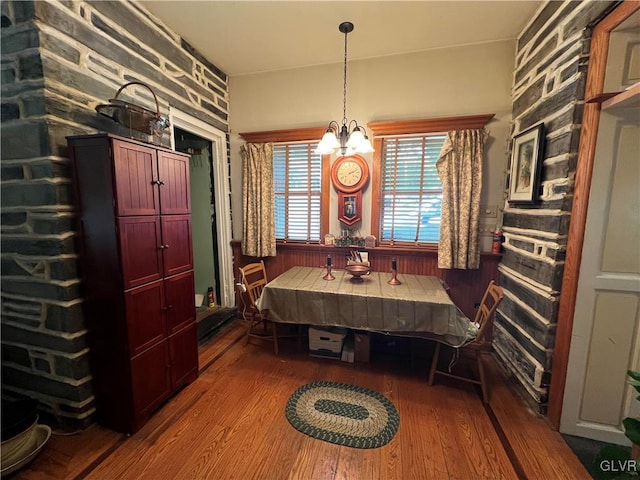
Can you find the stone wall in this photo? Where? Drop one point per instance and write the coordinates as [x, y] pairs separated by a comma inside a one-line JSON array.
[[548, 86], [59, 60]]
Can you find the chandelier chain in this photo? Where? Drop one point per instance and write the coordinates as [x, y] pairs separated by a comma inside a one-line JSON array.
[[344, 91]]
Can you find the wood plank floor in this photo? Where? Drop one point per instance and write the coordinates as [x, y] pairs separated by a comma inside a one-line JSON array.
[[230, 424]]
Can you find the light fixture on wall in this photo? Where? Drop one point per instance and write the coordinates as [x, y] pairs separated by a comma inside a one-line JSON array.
[[348, 138]]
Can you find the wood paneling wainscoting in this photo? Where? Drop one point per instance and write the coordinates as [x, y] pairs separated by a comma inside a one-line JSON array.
[[465, 286]]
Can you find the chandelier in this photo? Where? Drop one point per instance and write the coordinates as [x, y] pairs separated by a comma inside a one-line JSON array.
[[348, 138]]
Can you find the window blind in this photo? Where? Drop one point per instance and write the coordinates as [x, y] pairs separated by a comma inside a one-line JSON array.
[[297, 175], [411, 192]]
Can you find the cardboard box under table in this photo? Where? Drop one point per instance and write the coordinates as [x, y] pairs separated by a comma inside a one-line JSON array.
[[326, 342]]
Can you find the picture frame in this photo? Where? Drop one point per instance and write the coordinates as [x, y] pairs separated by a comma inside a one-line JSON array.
[[525, 171]]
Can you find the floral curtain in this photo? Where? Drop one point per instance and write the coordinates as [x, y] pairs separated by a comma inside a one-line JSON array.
[[460, 171], [259, 235]]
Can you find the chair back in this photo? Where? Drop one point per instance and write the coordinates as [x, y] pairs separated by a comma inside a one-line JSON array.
[[254, 278], [492, 297]]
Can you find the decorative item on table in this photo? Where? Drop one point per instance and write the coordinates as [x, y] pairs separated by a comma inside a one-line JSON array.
[[357, 271], [329, 263], [394, 272], [135, 117], [356, 266]]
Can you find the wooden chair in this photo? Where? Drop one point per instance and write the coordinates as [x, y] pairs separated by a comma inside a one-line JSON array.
[[254, 278], [484, 318]]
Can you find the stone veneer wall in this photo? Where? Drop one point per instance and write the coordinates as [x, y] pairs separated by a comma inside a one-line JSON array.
[[59, 60], [548, 86]]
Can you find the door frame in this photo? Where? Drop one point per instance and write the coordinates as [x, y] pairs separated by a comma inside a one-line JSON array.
[[221, 192], [575, 241]]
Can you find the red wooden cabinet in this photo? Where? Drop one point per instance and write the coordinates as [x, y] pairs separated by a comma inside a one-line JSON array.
[[137, 274]]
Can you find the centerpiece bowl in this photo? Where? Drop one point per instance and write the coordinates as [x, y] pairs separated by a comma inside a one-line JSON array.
[[357, 271]]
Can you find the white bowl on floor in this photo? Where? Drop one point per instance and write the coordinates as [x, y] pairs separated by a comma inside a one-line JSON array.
[[21, 449]]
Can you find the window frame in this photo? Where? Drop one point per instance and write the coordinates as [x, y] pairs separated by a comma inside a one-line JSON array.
[[408, 127], [298, 135]]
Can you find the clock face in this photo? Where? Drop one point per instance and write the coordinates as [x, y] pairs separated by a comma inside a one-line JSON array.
[[349, 173]]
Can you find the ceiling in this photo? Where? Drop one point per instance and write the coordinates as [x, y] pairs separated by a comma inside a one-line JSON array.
[[244, 37]]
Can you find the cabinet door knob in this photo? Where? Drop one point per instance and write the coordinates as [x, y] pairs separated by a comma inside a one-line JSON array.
[[160, 182], [155, 182], [162, 247]]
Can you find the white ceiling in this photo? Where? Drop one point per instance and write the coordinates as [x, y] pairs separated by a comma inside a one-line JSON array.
[[243, 37]]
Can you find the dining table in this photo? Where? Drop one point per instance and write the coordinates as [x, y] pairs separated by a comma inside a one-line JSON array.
[[418, 307]]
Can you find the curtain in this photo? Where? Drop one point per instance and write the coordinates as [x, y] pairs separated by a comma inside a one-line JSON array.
[[460, 171], [259, 235]]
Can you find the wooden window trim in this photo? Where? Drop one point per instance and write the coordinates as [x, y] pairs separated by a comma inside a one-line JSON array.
[[301, 135], [402, 127]]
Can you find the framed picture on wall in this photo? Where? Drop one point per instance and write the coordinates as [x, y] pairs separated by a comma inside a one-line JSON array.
[[526, 165]]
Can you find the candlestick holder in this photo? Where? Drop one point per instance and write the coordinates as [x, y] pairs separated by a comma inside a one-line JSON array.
[[328, 276], [394, 279]]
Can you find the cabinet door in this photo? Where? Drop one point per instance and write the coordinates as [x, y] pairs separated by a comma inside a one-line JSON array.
[[176, 237], [140, 250], [151, 379], [180, 301], [145, 320], [136, 177], [183, 353], [173, 173]]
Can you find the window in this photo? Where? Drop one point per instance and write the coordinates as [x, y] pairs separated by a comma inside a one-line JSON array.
[[411, 191], [301, 191], [406, 189], [297, 182]]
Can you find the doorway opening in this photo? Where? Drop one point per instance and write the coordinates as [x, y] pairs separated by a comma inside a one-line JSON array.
[[211, 216], [203, 211]]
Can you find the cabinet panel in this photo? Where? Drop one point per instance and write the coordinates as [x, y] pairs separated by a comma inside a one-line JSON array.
[[176, 237], [145, 322], [173, 173], [180, 301], [135, 178], [151, 379], [183, 351], [140, 242]]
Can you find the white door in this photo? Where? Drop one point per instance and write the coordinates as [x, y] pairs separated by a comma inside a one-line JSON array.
[[605, 341]]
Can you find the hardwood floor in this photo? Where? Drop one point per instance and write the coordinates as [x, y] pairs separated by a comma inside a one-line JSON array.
[[230, 424]]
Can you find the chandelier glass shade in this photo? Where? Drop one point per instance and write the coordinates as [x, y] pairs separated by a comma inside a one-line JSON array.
[[348, 138]]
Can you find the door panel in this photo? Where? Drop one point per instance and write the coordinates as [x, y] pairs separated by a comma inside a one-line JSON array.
[[145, 322], [173, 171], [604, 343], [151, 379], [140, 241], [135, 176], [177, 248], [180, 301], [183, 348]]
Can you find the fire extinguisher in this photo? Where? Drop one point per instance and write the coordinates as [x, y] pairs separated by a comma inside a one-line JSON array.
[[496, 244]]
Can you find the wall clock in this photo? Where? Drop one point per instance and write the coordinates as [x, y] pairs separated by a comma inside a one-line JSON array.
[[350, 173]]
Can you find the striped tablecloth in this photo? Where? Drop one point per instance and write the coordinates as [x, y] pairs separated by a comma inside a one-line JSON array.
[[420, 306]]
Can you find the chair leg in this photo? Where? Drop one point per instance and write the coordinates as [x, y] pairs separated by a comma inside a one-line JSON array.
[[251, 324], [434, 363], [483, 380]]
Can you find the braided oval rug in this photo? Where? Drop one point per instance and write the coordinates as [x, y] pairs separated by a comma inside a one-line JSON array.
[[343, 414]]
